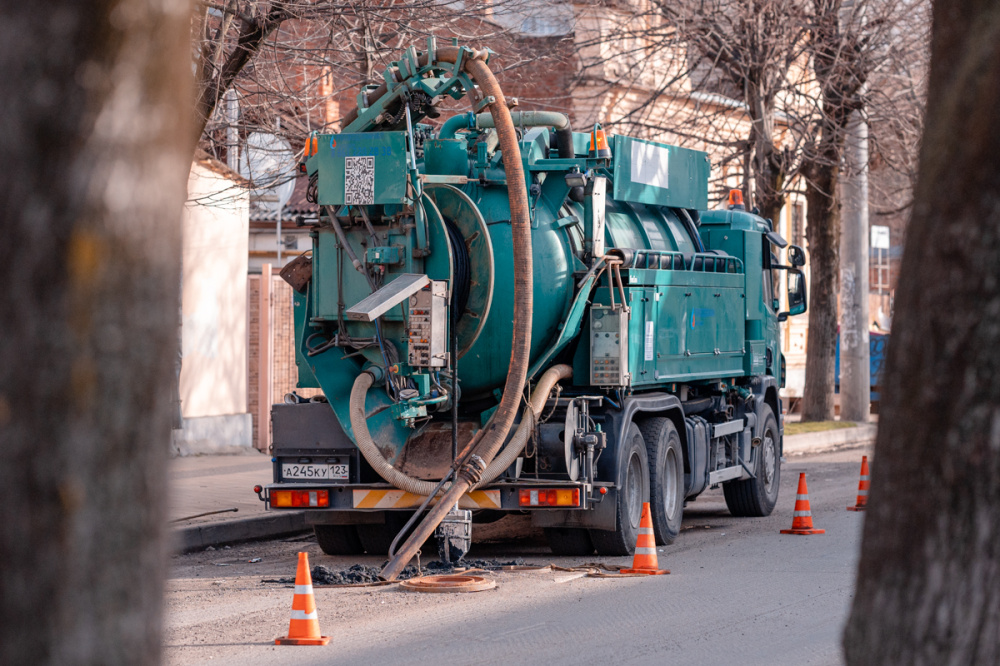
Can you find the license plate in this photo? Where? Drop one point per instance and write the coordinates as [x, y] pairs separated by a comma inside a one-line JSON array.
[[314, 472]]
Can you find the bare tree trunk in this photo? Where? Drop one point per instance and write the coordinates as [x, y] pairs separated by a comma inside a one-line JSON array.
[[823, 235], [769, 174], [929, 575], [96, 104]]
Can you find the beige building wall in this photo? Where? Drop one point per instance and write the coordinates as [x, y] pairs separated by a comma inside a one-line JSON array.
[[213, 383]]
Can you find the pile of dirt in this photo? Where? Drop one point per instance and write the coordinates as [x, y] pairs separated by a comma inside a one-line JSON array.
[[359, 574]]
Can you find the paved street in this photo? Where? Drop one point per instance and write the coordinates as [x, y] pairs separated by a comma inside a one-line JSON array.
[[738, 591]]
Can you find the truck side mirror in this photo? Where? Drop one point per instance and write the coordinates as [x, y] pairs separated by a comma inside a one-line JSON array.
[[796, 293], [796, 256]]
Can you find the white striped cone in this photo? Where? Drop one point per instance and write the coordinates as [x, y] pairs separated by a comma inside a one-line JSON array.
[[802, 522], [304, 626], [644, 561], [862, 502]]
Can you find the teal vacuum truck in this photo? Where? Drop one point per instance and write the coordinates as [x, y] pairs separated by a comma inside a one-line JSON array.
[[506, 315]]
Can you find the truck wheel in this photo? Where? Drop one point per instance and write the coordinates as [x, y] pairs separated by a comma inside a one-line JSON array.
[[756, 497], [569, 541], [377, 538], [666, 477], [338, 539], [633, 490]]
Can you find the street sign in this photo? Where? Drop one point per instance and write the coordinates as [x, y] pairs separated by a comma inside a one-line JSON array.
[[880, 237]]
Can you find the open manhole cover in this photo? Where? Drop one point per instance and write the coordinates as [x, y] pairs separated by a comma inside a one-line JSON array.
[[451, 583]]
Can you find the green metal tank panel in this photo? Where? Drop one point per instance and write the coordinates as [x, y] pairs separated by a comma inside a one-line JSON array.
[[446, 157], [484, 366], [659, 174], [366, 168]]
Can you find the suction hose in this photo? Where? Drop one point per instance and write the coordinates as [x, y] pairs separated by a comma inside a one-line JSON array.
[[515, 446], [487, 442], [369, 450]]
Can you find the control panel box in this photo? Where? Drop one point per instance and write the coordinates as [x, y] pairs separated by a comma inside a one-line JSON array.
[[609, 346], [427, 326]]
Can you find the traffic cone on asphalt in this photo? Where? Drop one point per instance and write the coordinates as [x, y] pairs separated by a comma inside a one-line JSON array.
[[802, 520], [304, 628], [862, 487], [644, 561]]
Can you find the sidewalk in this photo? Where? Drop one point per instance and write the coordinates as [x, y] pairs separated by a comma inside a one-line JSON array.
[[815, 442], [199, 484]]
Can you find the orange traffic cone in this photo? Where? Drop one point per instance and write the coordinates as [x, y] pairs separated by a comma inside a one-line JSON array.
[[802, 520], [644, 561], [304, 628], [862, 487]]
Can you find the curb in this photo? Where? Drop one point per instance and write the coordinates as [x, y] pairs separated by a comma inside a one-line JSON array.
[[815, 442], [199, 537]]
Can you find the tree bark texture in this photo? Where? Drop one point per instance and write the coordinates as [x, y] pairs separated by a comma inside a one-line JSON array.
[[823, 236], [95, 102], [928, 588]]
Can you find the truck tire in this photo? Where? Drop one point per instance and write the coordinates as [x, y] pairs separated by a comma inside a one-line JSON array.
[[756, 497], [338, 539], [569, 541], [376, 539], [666, 477], [633, 490]]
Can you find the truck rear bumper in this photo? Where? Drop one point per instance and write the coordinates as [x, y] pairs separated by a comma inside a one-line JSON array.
[[363, 503]]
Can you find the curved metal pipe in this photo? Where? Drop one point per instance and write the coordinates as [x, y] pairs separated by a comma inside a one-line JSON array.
[[557, 121], [454, 124]]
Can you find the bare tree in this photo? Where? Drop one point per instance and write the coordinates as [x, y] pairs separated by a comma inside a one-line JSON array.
[[735, 58], [303, 62], [930, 565], [849, 42], [96, 121], [841, 64]]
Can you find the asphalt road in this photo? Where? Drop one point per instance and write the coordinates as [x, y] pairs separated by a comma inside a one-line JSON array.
[[739, 592]]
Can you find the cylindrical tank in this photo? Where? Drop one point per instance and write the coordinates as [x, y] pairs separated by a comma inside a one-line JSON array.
[[557, 249]]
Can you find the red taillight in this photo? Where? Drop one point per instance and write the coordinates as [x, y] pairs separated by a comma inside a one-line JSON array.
[[549, 497], [300, 498]]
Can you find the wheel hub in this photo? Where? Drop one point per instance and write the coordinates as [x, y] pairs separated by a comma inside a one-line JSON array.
[[769, 462], [670, 484], [634, 489]]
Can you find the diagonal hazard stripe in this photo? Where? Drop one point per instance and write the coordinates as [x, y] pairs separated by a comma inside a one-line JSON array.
[[400, 499]]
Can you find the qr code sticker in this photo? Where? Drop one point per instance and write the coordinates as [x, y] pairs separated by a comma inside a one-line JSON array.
[[359, 180]]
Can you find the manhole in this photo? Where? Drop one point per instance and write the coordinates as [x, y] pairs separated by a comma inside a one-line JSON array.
[[452, 583]]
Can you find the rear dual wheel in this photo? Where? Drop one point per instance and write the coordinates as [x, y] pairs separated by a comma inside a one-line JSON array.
[[373, 539], [633, 490], [338, 539], [569, 541], [666, 477], [377, 538]]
